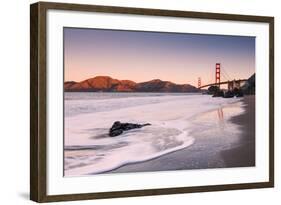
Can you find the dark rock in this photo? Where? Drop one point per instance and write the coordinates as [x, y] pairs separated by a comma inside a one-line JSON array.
[[114, 133], [118, 128], [228, 94], [213, 89], [250, 86], [238, 92], [218, 94]]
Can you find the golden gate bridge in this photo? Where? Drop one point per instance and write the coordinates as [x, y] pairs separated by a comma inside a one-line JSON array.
[[231, 84]]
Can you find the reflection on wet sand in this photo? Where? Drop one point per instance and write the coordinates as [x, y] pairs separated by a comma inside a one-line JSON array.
[[221, 119], [214, 134]]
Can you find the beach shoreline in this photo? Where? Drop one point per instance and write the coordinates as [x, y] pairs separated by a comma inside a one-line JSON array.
[[245, 152], [200, 156]]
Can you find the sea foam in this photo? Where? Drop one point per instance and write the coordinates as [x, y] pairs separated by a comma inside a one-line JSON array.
[[89, 149]]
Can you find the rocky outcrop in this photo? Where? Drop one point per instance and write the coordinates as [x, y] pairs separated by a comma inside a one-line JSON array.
[[250, 86], [118, 128]]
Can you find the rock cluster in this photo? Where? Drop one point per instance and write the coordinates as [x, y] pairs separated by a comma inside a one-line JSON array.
[[118, 128]]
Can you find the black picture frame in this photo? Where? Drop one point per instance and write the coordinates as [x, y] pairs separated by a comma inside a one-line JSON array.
[[38, 100]]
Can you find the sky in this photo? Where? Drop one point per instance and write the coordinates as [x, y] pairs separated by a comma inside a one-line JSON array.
[[142, 56]]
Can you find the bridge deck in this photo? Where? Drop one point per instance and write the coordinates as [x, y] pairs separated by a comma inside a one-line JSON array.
[[221, 83]]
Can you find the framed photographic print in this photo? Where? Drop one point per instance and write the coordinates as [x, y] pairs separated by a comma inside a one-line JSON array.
[[134, 102]]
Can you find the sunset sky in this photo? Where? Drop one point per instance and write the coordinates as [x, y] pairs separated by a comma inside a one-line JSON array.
[[142, 56]]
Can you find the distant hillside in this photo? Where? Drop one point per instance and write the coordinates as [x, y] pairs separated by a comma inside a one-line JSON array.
[[68, 84], [164, 86], [108, 84]]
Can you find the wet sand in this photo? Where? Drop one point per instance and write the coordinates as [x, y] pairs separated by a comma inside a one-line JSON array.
[[212, 149], [243, 155]]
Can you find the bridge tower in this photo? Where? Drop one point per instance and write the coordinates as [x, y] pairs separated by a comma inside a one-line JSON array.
[[199, 82], [218, 73]]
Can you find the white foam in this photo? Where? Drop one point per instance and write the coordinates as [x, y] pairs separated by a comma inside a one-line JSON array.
[[96, 152]]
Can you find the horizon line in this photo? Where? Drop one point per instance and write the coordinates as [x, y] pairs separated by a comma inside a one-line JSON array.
[[142, 81]]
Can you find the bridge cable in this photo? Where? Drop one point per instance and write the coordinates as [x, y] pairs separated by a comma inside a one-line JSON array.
[[229, 78], [225, 76]]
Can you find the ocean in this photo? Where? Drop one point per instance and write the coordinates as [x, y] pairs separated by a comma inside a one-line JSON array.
[[89, 115]]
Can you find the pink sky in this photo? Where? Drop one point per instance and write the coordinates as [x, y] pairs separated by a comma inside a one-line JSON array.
[[143, 56]]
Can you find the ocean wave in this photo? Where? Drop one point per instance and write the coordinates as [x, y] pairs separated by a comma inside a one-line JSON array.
[[89, 149], [133, 146]]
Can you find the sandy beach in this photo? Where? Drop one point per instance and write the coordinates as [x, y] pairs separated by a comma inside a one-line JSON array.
[[212, 149], [245, 152], [187, 132]]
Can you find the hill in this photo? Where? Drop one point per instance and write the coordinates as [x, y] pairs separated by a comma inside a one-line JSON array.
[[108, 84]]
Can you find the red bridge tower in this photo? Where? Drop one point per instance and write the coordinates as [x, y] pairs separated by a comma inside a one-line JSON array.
[[199, 82], [218, 73]]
